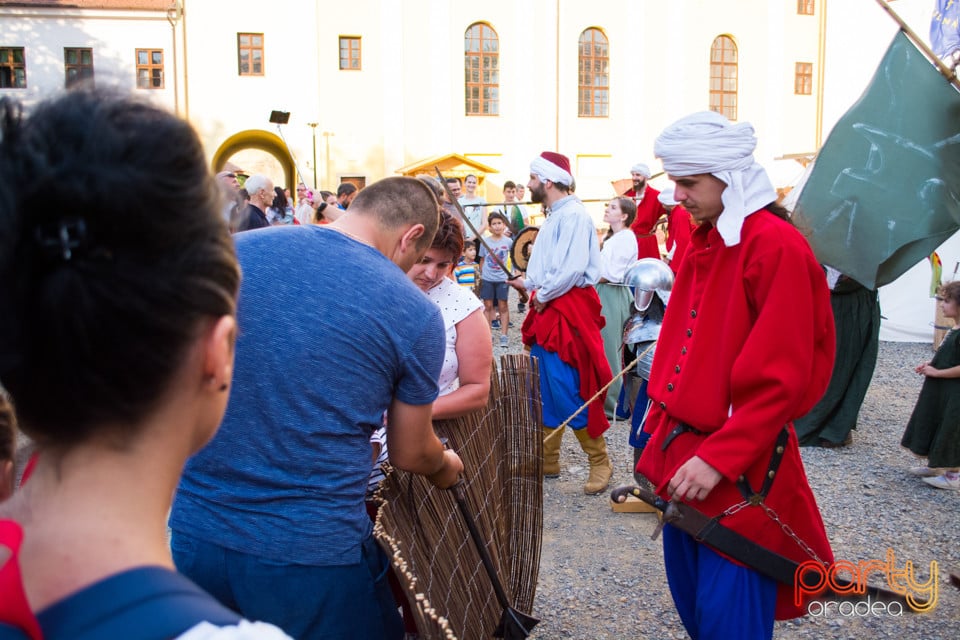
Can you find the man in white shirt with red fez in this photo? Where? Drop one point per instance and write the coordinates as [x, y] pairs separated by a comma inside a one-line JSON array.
[[563, 325], [746, 347]]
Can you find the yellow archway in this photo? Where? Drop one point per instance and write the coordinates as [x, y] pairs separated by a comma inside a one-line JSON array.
[[263, 141]]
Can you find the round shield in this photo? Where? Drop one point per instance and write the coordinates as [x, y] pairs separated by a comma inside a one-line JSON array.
[[522, 246]]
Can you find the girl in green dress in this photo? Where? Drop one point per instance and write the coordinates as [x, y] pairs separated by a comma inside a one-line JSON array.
[[934, 427]]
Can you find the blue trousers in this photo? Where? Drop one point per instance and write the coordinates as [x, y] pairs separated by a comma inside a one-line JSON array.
[[639, 415], [559, 390], [716, 599], [338, 602]]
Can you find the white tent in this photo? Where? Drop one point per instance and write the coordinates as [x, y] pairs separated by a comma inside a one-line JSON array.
[[907, 308]]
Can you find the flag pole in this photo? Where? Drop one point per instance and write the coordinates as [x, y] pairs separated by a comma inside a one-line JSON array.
[[945, 71]]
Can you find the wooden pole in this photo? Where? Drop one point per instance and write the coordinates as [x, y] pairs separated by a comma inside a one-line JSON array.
[[944, 70]]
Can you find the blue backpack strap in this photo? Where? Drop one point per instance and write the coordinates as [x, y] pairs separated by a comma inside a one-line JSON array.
[[149, 603], [8, 632]]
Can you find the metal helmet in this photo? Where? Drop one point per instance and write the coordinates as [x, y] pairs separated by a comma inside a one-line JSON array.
[[645, 277]]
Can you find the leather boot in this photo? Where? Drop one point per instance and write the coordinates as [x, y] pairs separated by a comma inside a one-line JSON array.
[[551, 453], [600, 467]]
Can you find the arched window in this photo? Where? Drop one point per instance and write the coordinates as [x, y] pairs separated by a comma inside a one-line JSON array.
[[594, 78], [481, 57], [723, 77]]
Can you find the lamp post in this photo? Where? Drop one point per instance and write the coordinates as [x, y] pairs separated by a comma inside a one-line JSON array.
[[326, 139], [313, 125]]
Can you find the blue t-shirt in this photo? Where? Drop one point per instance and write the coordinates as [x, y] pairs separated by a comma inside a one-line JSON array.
[[329, 332], [491, 271]]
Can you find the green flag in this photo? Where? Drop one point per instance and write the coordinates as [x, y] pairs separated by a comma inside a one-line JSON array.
[[885, 188]]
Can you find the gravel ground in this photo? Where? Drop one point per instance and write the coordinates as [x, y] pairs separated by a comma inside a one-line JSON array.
[[601, 576]]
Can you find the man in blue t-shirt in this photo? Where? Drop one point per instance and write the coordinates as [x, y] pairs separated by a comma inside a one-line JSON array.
[[270, 516]]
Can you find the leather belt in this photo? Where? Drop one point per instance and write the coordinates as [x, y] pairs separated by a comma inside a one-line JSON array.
[[682, 427]]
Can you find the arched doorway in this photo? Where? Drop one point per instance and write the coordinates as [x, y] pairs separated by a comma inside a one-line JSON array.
[[258, 151]]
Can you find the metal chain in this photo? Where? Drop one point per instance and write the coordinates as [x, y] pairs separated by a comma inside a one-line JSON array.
[[783, 526], [787, 530], [735, 508]]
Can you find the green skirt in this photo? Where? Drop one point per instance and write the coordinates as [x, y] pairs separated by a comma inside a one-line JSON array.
[[617, 305]]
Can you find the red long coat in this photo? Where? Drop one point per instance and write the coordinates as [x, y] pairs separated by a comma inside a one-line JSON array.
[[649, 210], [679, 227], [747, 346]]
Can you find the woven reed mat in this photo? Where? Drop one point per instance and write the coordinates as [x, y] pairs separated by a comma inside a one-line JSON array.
[[421, 529]]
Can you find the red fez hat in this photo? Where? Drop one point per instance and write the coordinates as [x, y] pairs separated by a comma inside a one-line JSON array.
[[558, 159]]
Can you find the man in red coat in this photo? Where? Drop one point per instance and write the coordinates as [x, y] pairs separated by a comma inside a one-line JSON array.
[[746, 347], [679, 228], [649, 210]]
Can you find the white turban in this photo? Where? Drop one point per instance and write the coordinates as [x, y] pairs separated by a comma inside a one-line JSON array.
[[666, 198], [706, 142], [642, 169], [545, 169]]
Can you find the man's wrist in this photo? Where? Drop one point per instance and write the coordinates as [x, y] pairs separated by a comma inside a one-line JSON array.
[[439, 469]]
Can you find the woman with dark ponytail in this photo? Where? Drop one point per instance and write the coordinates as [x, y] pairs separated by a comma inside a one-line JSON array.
[[118, 285]]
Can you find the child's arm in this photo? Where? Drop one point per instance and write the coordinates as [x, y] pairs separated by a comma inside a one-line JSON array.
[[933, 372]]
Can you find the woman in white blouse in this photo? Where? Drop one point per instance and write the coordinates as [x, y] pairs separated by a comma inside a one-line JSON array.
[[619, 251], [465, 377]]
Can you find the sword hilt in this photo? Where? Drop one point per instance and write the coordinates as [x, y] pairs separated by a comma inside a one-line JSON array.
[[620, 494]]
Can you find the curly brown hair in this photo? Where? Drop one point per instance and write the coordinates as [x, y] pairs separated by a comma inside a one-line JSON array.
[[950, 291], [449, 236]]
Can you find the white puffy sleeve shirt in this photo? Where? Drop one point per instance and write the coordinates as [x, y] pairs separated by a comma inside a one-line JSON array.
[[619, 252], [566, 253]]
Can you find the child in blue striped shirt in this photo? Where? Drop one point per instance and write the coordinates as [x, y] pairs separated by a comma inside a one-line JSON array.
[[467, 271]]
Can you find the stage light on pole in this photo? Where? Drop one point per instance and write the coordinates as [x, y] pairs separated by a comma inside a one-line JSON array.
[[280, 118], [313, 125], [326, 139]]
